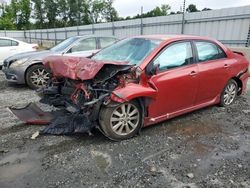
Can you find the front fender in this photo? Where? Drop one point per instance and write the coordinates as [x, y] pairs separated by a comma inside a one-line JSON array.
[[132, 91]]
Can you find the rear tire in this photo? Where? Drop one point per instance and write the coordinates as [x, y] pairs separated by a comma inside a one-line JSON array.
[[121, 121], [37, 76], [229, 93]]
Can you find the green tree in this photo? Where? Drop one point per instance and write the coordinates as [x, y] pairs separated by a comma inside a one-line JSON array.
[[38, 13], [51, 12], [14, 8], [157, 11], [109, 12], [164, 9], [192, 8], [206, 9], [63, 11], [6, 19], [24, 10]]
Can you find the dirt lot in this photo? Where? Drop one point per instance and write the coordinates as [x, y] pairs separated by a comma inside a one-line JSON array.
[[207, 148]]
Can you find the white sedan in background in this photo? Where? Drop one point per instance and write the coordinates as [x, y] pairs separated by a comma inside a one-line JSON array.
[[10, 46]]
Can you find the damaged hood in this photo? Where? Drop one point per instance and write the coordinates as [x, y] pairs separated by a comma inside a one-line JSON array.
[[77, 68]]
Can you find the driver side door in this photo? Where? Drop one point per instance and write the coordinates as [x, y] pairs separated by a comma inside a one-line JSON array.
[[176, 81]]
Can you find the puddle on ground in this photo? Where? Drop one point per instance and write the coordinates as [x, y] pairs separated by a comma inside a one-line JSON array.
[[17, 165], [12, 158], [102, 160], [201, 149], [13, 171], [193, 128]]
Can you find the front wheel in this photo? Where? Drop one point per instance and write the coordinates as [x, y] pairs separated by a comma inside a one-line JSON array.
[[229, 93], [37, 76], [121, 121]]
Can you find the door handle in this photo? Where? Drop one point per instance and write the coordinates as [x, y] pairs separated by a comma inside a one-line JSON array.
[[193, 73], [226, 66]]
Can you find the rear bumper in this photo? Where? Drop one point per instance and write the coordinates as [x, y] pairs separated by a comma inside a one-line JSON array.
[[15, 75]]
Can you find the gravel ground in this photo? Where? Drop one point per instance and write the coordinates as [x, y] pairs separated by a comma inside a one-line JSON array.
[[206, 148]]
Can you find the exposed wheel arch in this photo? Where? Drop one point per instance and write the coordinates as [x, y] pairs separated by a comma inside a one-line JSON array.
[[37, 76], [239, 83], [25, 73]]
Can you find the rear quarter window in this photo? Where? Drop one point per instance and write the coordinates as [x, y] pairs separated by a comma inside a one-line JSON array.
[[209, 51]]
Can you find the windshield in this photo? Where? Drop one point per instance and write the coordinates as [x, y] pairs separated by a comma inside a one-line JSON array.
[[64, 44], [132, 50]]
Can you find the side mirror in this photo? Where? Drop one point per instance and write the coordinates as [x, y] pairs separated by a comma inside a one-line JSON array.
[[152, 69]]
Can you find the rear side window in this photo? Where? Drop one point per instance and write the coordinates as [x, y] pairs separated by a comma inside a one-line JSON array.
[[84, 45], [106, 41], [14, 43], [209, 51]]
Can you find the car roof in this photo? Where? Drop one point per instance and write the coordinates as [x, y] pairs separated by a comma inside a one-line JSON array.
[[10, 39], [173, 37], [87, 36]]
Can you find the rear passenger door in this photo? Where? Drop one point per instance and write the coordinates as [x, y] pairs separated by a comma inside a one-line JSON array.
[[213, 67]]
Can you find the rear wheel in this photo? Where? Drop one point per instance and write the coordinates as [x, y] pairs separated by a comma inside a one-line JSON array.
[[229, 93], [121, 121], [37, 76]]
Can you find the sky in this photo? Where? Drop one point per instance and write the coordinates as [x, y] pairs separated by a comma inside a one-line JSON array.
[[133, 7]]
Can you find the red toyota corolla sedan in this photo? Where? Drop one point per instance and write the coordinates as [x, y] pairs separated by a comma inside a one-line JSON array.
[[144, 80]]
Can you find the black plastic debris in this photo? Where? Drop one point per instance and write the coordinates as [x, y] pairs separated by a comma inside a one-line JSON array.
[[69, 124]]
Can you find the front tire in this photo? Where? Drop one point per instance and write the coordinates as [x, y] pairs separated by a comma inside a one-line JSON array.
[[37, 76], [121, 121], [229, 93]]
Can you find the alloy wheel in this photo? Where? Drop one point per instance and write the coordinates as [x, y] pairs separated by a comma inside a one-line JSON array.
[[125, 119], [230, 93], [40, 77]]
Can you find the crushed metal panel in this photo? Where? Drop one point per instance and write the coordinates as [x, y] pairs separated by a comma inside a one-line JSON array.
[[76, 68], [32, 114]]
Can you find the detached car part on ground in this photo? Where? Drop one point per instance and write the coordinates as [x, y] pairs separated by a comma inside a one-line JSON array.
[[137, 82]]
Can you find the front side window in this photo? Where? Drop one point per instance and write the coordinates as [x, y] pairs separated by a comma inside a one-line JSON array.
[[64, 44], [131, 50], [208, 51], [106, 41], [5, 42], [175, 55], [84, 45]]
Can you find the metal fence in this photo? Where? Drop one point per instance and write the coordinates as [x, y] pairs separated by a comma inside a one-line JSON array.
[[231, 26]]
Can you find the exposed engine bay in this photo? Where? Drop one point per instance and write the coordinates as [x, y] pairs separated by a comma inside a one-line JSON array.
[[78, 102]]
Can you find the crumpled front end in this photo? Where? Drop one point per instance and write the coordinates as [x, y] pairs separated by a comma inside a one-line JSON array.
[[80, 99]]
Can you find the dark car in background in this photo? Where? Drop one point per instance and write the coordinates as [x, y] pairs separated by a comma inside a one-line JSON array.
[[27, 68]]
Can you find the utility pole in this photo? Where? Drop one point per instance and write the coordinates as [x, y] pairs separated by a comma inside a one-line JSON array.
[[142, 20], [183, 17]]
